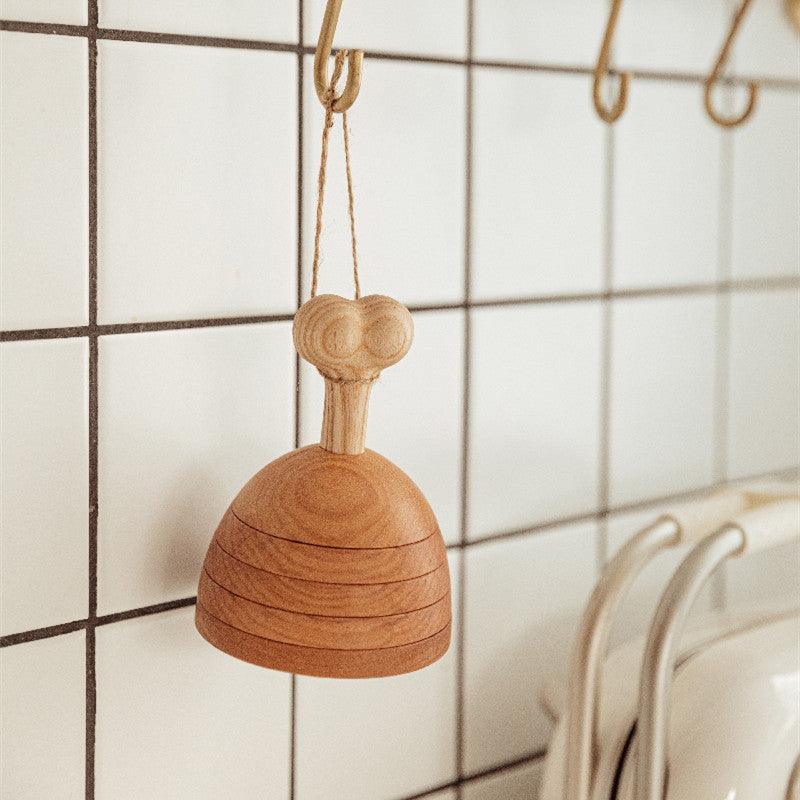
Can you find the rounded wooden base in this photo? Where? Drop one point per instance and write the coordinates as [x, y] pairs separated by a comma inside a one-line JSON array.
[[293, 579], [321, 662]]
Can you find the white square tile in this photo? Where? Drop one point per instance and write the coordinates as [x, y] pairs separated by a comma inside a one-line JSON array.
[[552, 32], [407, 143], [42, 727], [44, 191], [767, 43], [197, 188], [186, 418], [413, 26], [524, 596], [534, 416], [679, 36], [177, 718], [538, 185], [378, 739], [766, 189], [662, 396], [520, 783], [764, 404], [772, 575], [274, 20], [771, 578], [67, 12], [415, 414], [44, 473], [666, 188], [636, 612]]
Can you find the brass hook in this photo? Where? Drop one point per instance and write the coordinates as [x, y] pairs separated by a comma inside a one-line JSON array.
[[601, 69], [793, 12], [323, 53], [711, 80]]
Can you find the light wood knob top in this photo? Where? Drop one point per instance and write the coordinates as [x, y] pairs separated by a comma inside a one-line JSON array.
[[350, 342]]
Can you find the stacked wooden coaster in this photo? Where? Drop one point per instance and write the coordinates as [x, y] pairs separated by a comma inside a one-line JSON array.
[[330, 561], [328, 564]]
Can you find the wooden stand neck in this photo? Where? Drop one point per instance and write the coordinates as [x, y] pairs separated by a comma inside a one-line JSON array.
[[344, 416]]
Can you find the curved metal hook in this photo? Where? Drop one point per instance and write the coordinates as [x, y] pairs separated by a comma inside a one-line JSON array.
[[793, 12], [716, 73], [601, 69], [323, 53]]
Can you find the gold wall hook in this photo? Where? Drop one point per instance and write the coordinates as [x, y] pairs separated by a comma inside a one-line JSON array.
[[605, 113], [323, 53], [793, 12], [712, 80]]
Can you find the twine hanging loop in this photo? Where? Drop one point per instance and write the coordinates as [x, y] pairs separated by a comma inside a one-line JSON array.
[[329, 100]]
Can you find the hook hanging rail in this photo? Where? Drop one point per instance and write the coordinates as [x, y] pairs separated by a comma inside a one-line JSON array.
[[613, 113], [323, 53], [712, 80]]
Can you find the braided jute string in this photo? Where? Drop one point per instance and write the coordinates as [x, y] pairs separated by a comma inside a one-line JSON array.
[[329, 99]]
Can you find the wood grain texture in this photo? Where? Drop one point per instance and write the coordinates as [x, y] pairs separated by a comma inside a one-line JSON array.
[[350, 342], [328, 564], [326, 663], [290, 604], [315, 597], [344, 416], [330, 561], [314, 496], [337, 633]]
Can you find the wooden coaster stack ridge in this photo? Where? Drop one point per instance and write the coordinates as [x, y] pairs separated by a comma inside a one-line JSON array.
[[330, 561]]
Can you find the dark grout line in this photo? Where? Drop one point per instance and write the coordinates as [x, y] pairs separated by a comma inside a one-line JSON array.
[[606, 348], [293, 736], [300, 143], [415, 58], [460, 663], [498, 769], [118, 328], [92, 180], [93, 369], [35, 634], [766, 81], [91, 711], [93, 403], [724, 266], [301, 123], [229, 43], [469, 99], [622, 508], [155, 37], [506, 766], [35, 334], [48, 632], [530, 530], [770, 284], [91, 680], [145, 611], [442, 787], [183, 324], [722, 332], [52, 28]]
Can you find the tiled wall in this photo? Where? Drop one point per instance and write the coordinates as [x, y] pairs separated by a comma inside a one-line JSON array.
[[605, 319]]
